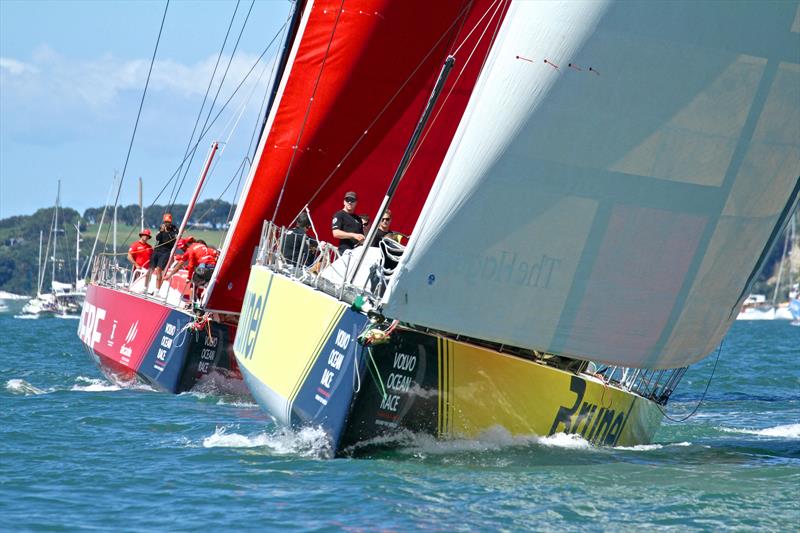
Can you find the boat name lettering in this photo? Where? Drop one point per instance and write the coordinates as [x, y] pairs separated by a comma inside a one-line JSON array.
[[207, 354], [90, 319], [327, 377], [203, 367], [596, 424], [403, 361], [166, 342], [211, 342], [389, 402], [335, 359], [398, 382], [252, 312], [169, 329], [342, 339], [161, 355], [507, 268]]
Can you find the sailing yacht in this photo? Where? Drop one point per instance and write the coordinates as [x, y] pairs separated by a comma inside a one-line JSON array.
[[162, 336], [590, 189]]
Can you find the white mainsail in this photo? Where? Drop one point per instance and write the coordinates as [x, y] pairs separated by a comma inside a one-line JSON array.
[[613, 183]]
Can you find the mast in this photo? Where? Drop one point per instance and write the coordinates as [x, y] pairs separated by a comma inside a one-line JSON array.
[[197, 189], [77, 252], [55, 232], [141, 206], [401, 169], [786, 244], [39, 277], [116, 261]]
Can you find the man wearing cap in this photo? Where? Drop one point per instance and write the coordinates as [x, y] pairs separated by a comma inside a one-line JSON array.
[[165, 240], [347, 227], [181, 255], [140, 251]]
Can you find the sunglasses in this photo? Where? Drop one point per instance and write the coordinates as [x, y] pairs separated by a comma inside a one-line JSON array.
[[386, 220], [350, 200]]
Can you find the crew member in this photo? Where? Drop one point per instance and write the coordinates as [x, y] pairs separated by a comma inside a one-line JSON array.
[[201, 262], [347, 227], [165, 240], [140, 251], [294, 250], [179, 260], [383, 228]]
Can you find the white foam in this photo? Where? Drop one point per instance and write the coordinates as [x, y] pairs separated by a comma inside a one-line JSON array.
[[791, 431], [495, 438], [651, 447], [237, 403], [20, 386], [84, 384], [307, 442], [26, 317]]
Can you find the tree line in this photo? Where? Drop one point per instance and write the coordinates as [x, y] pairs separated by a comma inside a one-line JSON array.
[[214, 213], [19, 237]]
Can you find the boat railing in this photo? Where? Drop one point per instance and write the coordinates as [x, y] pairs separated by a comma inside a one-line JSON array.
[[320, 265], [107, 271], [655, 384]]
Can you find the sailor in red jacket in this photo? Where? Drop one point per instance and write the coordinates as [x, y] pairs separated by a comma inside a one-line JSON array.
[[140, 251], [201, 260]]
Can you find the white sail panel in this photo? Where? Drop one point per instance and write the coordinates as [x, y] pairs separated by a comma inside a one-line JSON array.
[[614, 181]]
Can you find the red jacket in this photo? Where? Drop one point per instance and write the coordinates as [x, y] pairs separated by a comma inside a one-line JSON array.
[[200, 254], [141, 252]]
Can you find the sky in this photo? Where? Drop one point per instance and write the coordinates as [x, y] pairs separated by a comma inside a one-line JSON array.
[[72, 74]]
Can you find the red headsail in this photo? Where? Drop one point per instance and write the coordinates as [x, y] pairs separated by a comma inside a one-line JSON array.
[[358, 77]]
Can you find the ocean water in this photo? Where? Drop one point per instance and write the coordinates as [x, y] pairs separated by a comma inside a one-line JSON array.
[[77, 453]]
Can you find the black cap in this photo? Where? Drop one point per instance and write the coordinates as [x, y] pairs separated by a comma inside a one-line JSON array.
[[350, 195]]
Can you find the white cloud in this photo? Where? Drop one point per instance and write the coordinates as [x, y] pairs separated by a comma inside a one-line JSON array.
[[15, 68], [98, 83]]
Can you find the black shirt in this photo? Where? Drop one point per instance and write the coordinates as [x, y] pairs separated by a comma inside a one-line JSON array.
[[294, 251], [165, 240], [344, 221], [379, 235]]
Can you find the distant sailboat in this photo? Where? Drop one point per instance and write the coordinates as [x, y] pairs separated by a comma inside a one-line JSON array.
[[600, 210]]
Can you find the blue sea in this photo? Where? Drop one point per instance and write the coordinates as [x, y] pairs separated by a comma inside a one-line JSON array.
[[78, 453]]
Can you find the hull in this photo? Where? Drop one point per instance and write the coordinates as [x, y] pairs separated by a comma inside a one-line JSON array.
[[313, 371], [133, 339]]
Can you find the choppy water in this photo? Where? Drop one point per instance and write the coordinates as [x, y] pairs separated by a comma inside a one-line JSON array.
[[79, 453]]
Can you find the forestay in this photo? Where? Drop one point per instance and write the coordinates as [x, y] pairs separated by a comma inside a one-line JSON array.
[[618, 174]]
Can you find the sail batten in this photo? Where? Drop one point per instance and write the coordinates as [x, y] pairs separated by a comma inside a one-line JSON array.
[[612, 214]]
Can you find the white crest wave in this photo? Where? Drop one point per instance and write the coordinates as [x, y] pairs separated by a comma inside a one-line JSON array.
[[791, 431], [20, 386], [307, 442], [84, 384]]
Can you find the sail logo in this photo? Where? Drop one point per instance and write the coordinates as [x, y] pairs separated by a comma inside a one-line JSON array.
[[249, 325], [125, 349], [90, 319], [595, 423], [507, 268]]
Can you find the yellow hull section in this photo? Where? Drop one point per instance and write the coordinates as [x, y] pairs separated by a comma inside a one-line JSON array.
[[298, 352]]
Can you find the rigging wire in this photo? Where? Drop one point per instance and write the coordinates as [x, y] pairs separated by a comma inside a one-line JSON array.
[[224, 106], [216, 95], [141, 105], [463, 68], [459, 17], [308, 108], [205, 96], [216, 117], [702, 398]]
